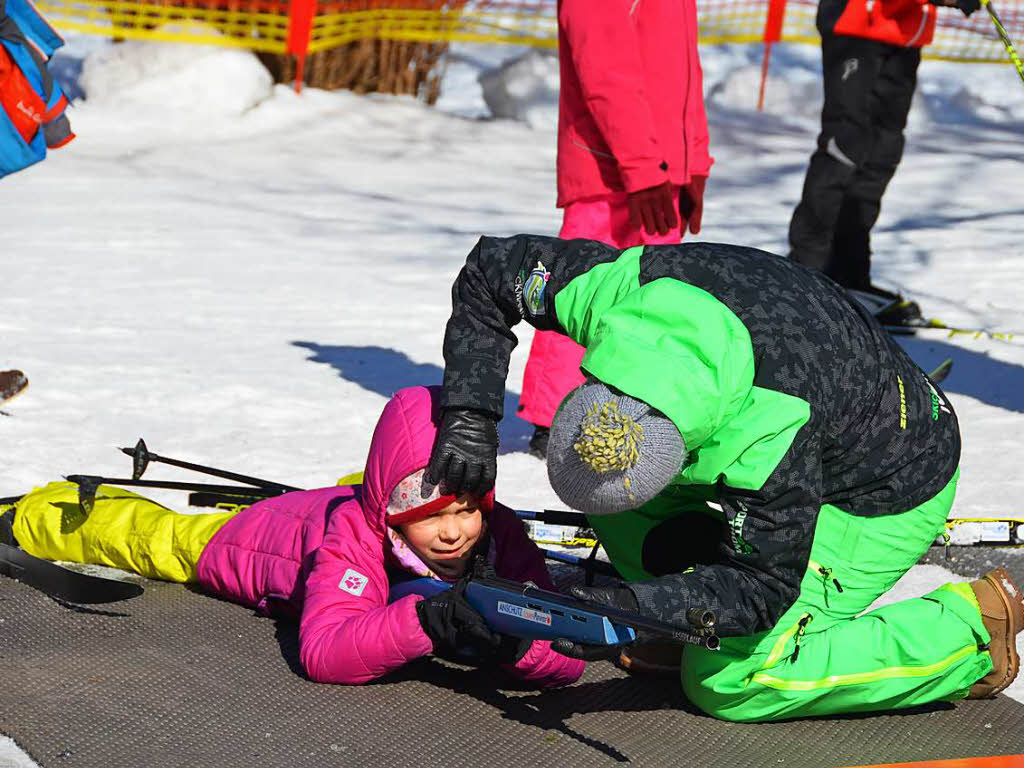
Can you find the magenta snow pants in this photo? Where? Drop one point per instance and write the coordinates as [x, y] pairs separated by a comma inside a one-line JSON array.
[[553, 367]]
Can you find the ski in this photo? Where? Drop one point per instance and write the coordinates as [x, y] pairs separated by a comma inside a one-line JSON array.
[[65, 585], [12, 383], [902, 317], [1007, 531], [60, 583], [931, 324]]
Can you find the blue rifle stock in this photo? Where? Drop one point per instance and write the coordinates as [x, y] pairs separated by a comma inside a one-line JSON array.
[[529, 612]]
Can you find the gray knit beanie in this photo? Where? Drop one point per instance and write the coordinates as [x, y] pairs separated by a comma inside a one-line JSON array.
[[609, 452]]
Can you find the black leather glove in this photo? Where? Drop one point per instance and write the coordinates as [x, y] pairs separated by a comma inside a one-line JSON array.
[[620, 597], [465, 456], [453, 624]]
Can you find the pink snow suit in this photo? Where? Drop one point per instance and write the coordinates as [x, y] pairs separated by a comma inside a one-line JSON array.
[[324, 556], [630, 116]]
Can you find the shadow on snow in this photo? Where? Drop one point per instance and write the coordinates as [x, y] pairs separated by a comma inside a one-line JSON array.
[[384, 370], [974, 373]]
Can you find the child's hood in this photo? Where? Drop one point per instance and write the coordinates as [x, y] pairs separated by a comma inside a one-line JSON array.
[[401, 444]]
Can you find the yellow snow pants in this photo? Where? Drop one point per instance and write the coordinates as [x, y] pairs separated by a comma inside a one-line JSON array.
[[124, 530]]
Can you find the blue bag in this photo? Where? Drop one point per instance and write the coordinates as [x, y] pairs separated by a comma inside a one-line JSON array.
[[32, 105]]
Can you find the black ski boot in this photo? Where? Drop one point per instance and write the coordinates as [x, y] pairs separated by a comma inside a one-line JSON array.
[[539, 443], [890, 309]]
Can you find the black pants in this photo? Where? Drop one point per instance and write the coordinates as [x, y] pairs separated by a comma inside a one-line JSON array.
[[868, 90]]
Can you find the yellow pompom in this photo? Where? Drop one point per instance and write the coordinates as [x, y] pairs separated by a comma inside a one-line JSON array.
[[609, 440]]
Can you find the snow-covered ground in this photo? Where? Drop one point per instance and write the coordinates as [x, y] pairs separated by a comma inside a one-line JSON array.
[[243, 276]]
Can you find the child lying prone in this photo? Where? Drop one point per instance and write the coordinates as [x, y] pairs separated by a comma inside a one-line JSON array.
[[327, 557]]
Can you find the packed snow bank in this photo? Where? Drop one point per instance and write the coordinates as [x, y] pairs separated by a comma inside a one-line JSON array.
[[971, 93], [524, 88], [181, 82]]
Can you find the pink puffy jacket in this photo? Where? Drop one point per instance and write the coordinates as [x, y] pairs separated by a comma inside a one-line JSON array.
[[324, 556], [631, 105]]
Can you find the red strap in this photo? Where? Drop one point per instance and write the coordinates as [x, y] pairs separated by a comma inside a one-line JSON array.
[[56, 110]]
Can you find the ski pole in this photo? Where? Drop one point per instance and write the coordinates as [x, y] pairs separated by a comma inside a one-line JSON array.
[[1007, 42], [88, 484], [141, 456]]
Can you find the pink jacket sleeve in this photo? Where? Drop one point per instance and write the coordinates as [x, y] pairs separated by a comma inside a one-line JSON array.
[[348, 632], [606, 57], [696, 121], [519, 559]]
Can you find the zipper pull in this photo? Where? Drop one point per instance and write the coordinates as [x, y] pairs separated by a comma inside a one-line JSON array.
[[801, 628], [945, 544], [826, 574]]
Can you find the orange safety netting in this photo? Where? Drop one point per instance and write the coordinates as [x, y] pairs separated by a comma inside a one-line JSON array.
[[301, 27]]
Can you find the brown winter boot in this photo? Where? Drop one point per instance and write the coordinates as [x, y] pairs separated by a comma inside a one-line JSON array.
[[1002, 611]]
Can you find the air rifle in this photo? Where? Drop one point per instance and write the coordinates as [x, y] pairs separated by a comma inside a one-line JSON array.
[[525, 611]]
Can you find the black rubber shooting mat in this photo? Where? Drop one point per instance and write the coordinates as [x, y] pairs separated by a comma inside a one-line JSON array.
[[182, 679]]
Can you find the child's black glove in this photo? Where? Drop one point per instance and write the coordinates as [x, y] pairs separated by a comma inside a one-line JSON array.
[[452, 623], [465, 456], [621, 598]]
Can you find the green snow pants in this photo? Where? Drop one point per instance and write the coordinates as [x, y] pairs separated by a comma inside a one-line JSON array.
[[825, 655]]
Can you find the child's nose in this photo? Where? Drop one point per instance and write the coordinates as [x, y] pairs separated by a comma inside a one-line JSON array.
[[449, 528]]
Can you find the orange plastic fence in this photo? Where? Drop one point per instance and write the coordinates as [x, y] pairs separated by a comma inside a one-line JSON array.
[[300, 27]]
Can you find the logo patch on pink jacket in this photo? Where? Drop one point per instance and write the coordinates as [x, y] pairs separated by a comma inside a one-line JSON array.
[[353, 582]]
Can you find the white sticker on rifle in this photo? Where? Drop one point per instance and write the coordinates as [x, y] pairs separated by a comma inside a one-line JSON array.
[[527, 614]]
